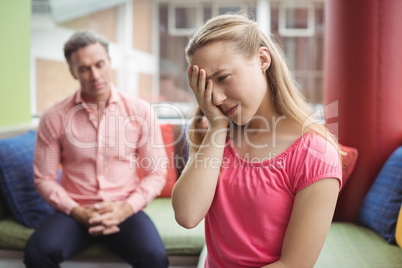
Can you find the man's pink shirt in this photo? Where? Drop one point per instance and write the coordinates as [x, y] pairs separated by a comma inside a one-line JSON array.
[[99, 148], [247, 221]]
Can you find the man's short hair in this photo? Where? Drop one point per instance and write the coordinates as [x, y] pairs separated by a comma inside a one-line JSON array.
[[81, 39]]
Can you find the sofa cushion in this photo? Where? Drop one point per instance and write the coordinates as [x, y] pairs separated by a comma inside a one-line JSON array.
[[4, 210], [169, 140], [351, 245], [398, 231], [177, 240], [381, 205], [16, 180], [349, 159], [13, 235], [168, 137], [180, 148]]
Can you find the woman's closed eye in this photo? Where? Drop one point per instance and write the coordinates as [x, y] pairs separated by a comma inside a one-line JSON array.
[[221, 78]]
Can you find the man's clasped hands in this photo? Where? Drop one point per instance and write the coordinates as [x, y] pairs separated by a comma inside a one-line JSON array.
[[103, 218]]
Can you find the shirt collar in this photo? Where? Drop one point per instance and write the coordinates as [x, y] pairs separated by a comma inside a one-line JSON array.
[[114, 96]]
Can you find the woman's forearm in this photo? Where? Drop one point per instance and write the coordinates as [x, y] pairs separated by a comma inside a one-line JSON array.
[[194, 191]]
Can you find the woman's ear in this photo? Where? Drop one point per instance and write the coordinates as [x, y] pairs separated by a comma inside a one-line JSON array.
[[265, 58]]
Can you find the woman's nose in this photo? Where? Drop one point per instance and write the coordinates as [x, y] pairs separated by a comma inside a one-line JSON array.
[[218, 96]]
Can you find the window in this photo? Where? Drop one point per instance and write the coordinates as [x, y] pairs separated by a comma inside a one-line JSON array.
[[184, 19], [303, 43], [148, 39], [296, 19]]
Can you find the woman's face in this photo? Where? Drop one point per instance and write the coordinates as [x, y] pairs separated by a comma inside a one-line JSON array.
[[240, 87]]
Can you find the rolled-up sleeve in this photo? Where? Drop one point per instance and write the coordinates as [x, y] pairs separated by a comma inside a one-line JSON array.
[[152, 158]]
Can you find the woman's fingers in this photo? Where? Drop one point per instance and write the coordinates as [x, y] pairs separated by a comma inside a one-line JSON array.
[[190, 76], [203, 91], [197, 77], [201, 82], [208, 91], [203, 88], [194, 79]]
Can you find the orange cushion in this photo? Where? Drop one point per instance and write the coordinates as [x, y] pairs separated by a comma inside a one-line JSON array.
[[168, 138], [398, 232], [349, 160]]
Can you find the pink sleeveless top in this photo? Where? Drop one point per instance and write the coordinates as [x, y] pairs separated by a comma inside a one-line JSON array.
[[247, 221]]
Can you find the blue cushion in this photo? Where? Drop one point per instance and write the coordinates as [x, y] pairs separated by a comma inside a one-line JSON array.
[[381, 205], [16, 180]]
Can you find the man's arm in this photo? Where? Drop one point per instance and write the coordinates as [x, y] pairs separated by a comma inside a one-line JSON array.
[[153, 150], [46, 164]]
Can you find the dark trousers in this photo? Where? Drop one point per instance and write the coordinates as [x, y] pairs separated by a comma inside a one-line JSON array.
[[60, 237]]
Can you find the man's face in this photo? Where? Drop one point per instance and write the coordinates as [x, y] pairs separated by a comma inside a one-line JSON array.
[[91, 66]]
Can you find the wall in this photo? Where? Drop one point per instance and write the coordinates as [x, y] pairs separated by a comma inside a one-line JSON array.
[[14, 62], [142, 40]]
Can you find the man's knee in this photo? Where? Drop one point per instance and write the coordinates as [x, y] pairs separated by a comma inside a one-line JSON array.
[[43, 253], [154, 258]]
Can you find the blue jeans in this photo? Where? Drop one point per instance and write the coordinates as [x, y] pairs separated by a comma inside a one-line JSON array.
[[61, 237]]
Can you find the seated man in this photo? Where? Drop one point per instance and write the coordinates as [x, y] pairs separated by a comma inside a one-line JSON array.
[[97, 135]]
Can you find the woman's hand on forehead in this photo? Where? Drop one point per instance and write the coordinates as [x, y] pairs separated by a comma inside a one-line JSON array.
[[202, 89]]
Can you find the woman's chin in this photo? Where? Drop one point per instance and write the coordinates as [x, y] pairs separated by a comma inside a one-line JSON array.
[[240, 121]]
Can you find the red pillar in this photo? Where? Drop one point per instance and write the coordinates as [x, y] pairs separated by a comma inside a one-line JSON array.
[[363, 72]]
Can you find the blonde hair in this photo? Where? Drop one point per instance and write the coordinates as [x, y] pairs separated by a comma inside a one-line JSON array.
[[287, 99]]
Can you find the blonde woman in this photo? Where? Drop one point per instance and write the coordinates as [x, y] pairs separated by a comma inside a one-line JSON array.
[[262, 173]]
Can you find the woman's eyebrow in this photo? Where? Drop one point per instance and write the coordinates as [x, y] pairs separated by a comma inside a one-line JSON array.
[[215, 74]]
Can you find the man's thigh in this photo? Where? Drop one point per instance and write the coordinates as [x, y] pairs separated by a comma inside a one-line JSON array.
[[60, 237], [137, 238]]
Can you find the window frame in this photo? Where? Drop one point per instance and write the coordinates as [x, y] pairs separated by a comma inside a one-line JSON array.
[[284, 31], [172, 18]]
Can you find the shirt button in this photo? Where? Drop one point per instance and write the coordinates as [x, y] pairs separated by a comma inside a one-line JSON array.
[[101, 157], [101, 177]]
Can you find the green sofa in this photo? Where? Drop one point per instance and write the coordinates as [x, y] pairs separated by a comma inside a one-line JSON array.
[[349, 245], [182, 246]]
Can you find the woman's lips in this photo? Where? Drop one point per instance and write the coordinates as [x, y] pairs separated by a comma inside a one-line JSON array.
[[231, 110]]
